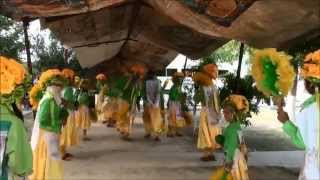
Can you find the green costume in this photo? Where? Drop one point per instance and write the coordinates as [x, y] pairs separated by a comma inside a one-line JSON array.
[[230, 139], [117, 87], [83, 98], [68, 94], [293, 132], [127, 89], [175, 93], [51, 115], [15, 150]]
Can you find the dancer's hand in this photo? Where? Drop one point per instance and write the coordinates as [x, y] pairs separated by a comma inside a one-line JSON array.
[[64, 122], [228, 165], [282, 115]]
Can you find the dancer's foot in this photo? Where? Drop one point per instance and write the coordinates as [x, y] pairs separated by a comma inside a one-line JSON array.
[[126, 138], [179, 134], [208, 158], [86, 139], [110, 125], [147, 136], [157, 139], [67, 157], [170, 135]]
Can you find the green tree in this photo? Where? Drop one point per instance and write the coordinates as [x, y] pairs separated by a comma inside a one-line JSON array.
[[52, 55], [11, 38], [227, 53], [300, 50]]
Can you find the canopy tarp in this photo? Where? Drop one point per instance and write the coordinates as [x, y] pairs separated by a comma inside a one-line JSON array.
[[110, 34]]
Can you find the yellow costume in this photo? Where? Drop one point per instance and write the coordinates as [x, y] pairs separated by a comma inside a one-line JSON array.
[[45, 140], [207, 133], [123, 117], [176, 118], [100, 99], [109, 109], [152, 118], [207, 94], [127, 90], [235, 111], [176, 115], [209, 117], [44, 166], [83, 117], [69, 133]]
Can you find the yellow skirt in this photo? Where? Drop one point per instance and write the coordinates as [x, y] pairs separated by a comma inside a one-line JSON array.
[[123, 116], [188, 118], [181, 123], [175, 120], [109, 109], [99, 106], [69, 133], [240, 169], [146, 121], [152, 119], [45, 167], [207, 133], [99, 112], [83, 117], [220, 174]]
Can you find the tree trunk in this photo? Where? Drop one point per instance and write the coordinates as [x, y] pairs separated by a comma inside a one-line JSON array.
[[27, 44], [241, 52]]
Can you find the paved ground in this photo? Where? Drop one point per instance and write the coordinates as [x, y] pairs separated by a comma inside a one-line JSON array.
[[108, 157]]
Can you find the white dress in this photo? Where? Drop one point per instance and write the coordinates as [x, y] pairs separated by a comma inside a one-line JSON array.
[[308, 123]]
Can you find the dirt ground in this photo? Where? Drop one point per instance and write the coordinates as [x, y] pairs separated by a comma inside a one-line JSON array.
[[108, 157]]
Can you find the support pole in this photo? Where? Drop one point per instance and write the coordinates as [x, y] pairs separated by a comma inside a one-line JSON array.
[[241, 51], [27, 43], [185, 66]]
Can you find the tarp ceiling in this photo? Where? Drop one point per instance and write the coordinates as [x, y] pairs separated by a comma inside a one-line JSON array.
[[109, 34]]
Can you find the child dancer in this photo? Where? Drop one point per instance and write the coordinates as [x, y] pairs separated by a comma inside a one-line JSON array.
[[235, 108]]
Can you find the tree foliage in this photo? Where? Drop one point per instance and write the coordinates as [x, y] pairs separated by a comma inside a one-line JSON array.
[[11, 38], [246, 87], [300, 50], [52, 55], [227, 53]]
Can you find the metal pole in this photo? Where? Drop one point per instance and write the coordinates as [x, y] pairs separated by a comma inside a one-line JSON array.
[[185, 66], [241, 51], [27, 43]]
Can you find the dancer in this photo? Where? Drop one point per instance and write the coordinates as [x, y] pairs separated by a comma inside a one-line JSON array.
[[235, 108], [83, 118], [15, 150], [45, 140], [152, 119], [305, 131], [207, 94], [130, 86], [176, 119], [100, 100], [69, 133]]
